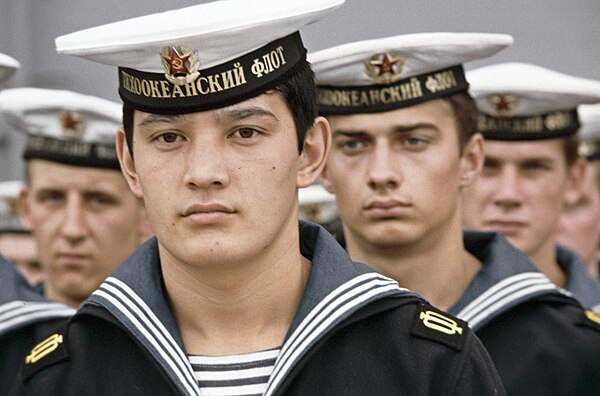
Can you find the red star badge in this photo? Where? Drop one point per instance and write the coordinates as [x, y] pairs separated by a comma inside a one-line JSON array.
[[384, 68], [177, 63], [69, 121]]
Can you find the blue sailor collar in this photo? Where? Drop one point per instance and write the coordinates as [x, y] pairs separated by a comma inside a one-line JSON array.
[[585, 288], [506, 279], [21, 305], [336, 288]]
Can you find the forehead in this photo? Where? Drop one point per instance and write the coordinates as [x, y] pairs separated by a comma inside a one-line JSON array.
[[549, 149], [435, 112], [48, 174]]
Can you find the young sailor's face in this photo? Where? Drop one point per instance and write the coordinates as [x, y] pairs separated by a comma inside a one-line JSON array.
[[219, 185], [396, 175], [520, 193]]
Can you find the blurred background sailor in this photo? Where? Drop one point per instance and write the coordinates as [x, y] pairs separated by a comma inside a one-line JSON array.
[[17, 244], [529, 118], [318, 205], [579, 224], [75, 200]]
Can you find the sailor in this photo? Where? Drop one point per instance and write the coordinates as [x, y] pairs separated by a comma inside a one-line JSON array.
[[579, 223], [234, 296], [17, 244], [405, 144], [24, 314], [83, 216], [528, 115]]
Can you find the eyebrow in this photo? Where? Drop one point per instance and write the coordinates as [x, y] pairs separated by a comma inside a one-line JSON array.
[[152, 119], [244, 112], [395, 129]]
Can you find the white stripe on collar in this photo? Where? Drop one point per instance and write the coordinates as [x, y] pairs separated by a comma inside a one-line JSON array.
[[503, 294], [143, 323], [16, 314], [328, 312]]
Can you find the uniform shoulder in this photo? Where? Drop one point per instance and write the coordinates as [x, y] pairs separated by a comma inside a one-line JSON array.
[[436, 325], [52, 350]]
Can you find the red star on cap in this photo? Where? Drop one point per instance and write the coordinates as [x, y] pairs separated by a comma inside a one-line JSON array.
[[502, 104], [177, 63], [69, 121], [385, 65]]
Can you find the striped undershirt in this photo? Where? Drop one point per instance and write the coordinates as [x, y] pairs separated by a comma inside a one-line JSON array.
[[246, 374]]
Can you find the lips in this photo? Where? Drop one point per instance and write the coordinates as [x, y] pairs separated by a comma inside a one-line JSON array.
[[387, 209], [72, 259], [505, 226], [207, 213]]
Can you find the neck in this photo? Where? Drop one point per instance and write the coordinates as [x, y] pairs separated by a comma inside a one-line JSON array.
[[437, 266], [55, 295], [544, 258], [223, 310]]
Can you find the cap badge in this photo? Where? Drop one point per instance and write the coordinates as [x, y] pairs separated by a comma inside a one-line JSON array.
[[73, 124], [385, 68], [504, 105], [180, 64]]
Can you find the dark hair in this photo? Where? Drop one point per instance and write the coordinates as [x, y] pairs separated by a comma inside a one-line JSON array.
[[298, 90], [466, 116]]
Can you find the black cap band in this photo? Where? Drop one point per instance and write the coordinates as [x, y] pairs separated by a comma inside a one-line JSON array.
[[535, 127], [72, 152], [403, 93], [590, 149], [228, 83]]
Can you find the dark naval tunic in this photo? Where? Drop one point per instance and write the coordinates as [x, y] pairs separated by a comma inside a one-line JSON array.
[[25, 316], [540, 338], [355, 333], [579, 282]]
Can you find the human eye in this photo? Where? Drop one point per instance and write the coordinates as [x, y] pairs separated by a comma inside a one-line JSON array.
[[490, 167], [52, 197], [415, 142], [350, 145], [100, 200], [167, 137], [245, 133]]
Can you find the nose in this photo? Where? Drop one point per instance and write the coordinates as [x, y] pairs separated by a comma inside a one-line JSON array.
[[383, 175], [74, 225], [507, 194], [206, 165]]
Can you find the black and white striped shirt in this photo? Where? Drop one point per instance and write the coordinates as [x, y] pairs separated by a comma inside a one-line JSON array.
[[246, 374]]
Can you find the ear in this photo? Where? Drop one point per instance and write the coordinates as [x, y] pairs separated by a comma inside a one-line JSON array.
[[471, 160], [25, 208], [127, 164], [577, 174], [314, 152]]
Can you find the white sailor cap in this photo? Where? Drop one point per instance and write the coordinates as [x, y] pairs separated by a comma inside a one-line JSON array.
[[9, 207], [589, 118], [519, 101], [201, 57], [8, 66], [384, 74], [317, 204], [64, 126]]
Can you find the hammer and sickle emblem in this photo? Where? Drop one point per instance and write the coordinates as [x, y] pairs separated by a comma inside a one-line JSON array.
[[441, 323], [44, 348]]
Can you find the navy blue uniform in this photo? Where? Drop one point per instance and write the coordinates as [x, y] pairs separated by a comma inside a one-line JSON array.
[[540, 338], [355, 333], [25, 316], [579, 282]]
